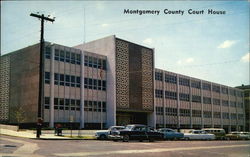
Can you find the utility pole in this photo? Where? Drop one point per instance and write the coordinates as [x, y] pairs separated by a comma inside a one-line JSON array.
[[40, 96]]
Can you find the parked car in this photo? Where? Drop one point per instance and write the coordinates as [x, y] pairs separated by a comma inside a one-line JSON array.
[[137, 132], [198, 135], [218, 132], [170, 134], [103, 134], [247, 134], [236, 135]]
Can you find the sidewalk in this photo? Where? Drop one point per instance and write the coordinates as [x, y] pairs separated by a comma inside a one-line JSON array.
[[49, 134]]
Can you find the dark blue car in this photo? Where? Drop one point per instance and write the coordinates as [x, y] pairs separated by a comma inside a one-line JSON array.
[[170, 134]]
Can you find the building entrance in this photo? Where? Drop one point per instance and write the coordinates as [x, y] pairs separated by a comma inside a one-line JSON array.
[[124, 118]]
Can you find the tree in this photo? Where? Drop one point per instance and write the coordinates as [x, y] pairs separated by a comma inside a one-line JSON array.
[[19, 115]]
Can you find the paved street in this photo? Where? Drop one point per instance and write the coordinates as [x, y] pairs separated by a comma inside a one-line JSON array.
[[15, 146]]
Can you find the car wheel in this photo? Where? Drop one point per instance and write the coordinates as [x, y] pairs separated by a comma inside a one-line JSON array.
[[125, 138], [186, 138], [103, 137]]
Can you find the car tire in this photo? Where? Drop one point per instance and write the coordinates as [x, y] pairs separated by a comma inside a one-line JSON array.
[[103, 137], [125, 138], [186, 138]]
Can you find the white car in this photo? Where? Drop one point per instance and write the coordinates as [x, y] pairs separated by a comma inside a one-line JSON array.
[[103, 134], [198, 135]]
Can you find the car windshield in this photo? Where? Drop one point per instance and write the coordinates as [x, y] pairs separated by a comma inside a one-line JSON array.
[[129, 127]]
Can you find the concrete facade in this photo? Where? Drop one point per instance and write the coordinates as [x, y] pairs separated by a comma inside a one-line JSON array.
[[111, 81], [185, 102], [246, 89]]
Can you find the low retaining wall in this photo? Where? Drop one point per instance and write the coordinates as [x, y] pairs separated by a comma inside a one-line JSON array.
[[9, 127]]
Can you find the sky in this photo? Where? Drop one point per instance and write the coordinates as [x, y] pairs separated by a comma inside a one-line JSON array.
[[211, 47]]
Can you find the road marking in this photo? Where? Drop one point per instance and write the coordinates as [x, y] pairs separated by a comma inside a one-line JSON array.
[[27, 149], [157, 150]]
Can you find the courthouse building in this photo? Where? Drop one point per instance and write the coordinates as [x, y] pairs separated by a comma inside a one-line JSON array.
[[108, 82]]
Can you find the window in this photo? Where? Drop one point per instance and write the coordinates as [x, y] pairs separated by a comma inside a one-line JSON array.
[[206, 100], [240, 116], [196, 113], [159, 110], [184, 97], [62, 55], [185, 112], [46, 102], [232, 103], [233, 116], [94, 84], [86, 60], [195, 84], [61, 79], [67, 80], [73, 81], [78, 81], [240, 104], [196, 98], [56, 54], [99, 84], [232, 92], [224, 90], [90, 106], [99, 63], [216, 101], [67, 102], [224, 103], [73, 58], [206, 86], [90, 61], [48, 52], [104, 66], [184, 81], [104, 108], [95, 106], [56, 79], [207, 114], [216, 88], [47, 77], [225, 115], [217, 115], [86, 82], [171, 111], [104, 85], [170, 79], [67, 59], [94, 62], [78, 59], [158, 76], [158, 93], [170, 95], [78, 104], [72, 104]]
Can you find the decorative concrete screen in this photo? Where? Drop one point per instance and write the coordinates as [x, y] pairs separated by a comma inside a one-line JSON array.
[[122, 74], [4, 86]]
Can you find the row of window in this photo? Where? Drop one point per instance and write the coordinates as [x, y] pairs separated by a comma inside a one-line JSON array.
[[63, 104], [95, 62], [196, 113], [196, 84], [64, 80], [194, 98], [95, 84], [74, 58], [74, 104], [75, 81]]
